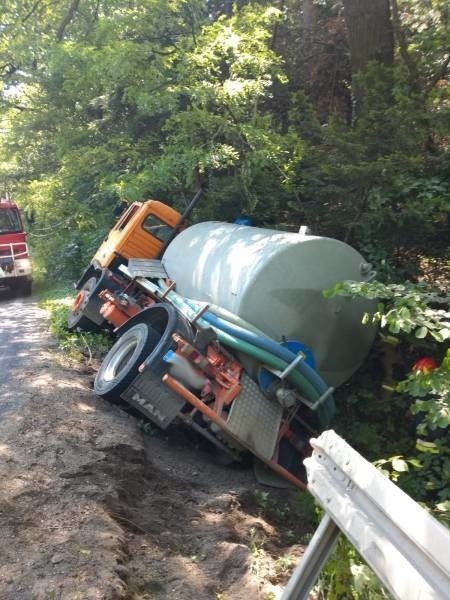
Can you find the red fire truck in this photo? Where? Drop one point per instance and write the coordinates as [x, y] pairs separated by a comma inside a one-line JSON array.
[[15, 263]]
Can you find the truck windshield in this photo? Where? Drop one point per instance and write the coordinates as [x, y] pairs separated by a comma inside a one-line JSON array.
[[156, 227], [10, 221]]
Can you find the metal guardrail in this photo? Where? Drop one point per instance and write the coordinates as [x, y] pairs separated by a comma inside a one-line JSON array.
[[407, 548]]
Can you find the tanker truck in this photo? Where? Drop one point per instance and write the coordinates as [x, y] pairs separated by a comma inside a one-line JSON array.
[[15, 263], [224, 327]]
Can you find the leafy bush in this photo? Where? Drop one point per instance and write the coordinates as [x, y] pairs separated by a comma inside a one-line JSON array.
[[418, 317], [410, 418]]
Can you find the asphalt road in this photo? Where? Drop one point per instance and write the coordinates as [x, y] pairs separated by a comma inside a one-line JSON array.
[[21, 336]]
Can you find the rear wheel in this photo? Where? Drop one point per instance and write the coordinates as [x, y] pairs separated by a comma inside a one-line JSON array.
[[76, 318], [120, 366]]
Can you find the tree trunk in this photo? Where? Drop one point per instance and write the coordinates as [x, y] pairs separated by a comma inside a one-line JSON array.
[[370, 33], [309, 11], [370, 37]]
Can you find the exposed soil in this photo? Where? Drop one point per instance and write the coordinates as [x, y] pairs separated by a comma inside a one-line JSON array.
[[93, 508]]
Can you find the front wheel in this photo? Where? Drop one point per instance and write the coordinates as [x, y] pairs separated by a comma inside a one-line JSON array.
[[23, 287], [27, 288], [76, 318], [120, 366]]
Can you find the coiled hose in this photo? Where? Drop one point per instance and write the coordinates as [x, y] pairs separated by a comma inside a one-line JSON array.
[[269, 345], [266, 351]]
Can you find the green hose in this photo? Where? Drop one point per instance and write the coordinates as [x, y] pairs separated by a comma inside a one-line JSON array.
[[233, 318], [222, 312], [266, 358], [270, 360]]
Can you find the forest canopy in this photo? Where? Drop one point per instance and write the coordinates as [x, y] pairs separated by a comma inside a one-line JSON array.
[[329, 114]]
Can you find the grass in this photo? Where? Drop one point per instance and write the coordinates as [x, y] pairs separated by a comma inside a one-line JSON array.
[[78, 346]]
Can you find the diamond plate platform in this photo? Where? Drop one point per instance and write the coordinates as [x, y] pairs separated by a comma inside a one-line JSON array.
[[255, 419], [145, 267]]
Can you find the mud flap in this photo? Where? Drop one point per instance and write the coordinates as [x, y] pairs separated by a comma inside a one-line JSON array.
[[152, 398]]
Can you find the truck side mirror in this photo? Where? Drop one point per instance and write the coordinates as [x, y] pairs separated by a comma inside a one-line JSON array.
[[119, 209]]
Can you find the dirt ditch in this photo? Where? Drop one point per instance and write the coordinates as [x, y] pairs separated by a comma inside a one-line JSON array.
[[93, 508]]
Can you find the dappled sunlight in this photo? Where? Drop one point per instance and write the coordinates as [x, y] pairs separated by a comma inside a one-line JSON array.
[[5, 451], [49, 379], [21, 325], [78, 491], [12, 487], [85, 407], [73, 385], [40, 380]]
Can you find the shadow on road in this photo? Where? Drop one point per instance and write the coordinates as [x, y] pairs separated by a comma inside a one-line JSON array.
[[6, 295], [22, 337]]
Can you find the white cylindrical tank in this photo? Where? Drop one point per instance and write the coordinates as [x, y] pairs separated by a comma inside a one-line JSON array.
[[275, 280]]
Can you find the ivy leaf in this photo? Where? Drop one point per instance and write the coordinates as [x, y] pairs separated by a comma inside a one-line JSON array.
[[424, 446], [421, 332], [393, 327], [445, 333], [400, 465]]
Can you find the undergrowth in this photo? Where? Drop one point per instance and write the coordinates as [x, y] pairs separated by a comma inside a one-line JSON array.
[[396, 412], [78, 346]]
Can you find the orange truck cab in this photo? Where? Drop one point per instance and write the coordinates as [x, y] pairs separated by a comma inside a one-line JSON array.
[[143, 231]]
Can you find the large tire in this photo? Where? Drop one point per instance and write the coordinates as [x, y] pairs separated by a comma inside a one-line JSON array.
[[77, 318], [27, 288], [22, 286], [120, 366], [144, 339]]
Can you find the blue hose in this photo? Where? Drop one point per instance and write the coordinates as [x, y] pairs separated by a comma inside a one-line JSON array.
[[281, 352], [270, 346]]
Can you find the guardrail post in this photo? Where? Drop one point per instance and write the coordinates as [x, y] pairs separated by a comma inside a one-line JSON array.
[[313, 560]]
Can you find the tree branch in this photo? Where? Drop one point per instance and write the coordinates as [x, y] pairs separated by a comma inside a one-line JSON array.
[[273, 41], [19, 107], [162, 53], [403, 47], [96, 11], [67, 19], [31, 11]]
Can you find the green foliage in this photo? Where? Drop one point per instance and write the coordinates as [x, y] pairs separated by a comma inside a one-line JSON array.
[[419, 315], [402, 426], [432, 390], [76, 345], [345, 576], [406, 308], [149, 99]]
